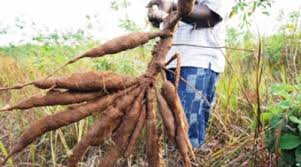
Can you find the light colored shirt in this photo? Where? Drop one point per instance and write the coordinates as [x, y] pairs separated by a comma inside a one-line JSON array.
[[192, 56]]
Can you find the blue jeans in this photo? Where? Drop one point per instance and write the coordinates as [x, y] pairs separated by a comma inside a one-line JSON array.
[[196, 107]]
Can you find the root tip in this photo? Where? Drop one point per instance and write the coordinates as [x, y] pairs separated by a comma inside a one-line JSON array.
[[16, 87], [3, 89], [5, 110]]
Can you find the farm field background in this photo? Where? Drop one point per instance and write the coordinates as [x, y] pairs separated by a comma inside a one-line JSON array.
[[252, 123]]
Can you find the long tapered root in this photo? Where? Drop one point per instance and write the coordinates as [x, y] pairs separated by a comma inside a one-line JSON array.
[[123, 43], [21, 86], [152, 141], [167, 117], [57, 97], [173, 100], [102, 128], [64, 118], [136, 133], [89, 81], [122, 134]]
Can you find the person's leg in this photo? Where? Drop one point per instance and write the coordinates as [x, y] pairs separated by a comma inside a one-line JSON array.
[[196, 107], [208, 87]]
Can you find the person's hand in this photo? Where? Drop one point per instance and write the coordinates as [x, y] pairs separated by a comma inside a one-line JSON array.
[[165, 5], [155, 15], [158, 10]]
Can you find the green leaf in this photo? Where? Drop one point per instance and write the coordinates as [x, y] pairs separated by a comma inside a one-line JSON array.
[[289, 141], [265, 117], [295, 119], [284, 104], [276, 122], [282, 90]]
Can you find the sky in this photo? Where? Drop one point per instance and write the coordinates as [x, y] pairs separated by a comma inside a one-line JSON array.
[[44, 17]]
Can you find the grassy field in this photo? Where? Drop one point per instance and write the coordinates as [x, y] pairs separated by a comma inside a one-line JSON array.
[[233, 125]]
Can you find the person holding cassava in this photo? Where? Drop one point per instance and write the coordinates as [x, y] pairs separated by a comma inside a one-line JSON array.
[[198, 39]]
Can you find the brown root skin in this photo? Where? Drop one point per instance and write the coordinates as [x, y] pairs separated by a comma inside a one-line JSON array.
[[65, 118], [173, 100], [167, 117], [89, 81], [53, 122], [130, 120], [152, 140], [182, 144], [118, 44], [57, 98], [110, 157], [102, 128], [123, 43], [122, 134], [136, 133]]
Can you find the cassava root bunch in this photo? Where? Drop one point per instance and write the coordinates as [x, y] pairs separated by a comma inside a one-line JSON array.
[[122, 105]]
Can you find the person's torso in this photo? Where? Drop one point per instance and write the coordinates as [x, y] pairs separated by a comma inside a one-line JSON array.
[[199, 47]]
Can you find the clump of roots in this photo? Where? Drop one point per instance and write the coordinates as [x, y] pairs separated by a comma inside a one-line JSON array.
[[123, 105]]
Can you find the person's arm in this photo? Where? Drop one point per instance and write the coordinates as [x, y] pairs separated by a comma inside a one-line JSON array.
[[202, 17]]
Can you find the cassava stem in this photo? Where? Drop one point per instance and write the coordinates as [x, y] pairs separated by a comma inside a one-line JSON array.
[[178, 71], [160, 51]]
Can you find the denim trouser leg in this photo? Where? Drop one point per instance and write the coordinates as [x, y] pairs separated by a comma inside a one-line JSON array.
[[197, 109]]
